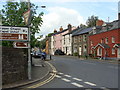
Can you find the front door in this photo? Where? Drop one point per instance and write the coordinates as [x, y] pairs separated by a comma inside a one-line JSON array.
[[80, 50], [118, 52]]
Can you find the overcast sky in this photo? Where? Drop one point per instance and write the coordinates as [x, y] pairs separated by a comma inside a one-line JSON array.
[[75, 12]]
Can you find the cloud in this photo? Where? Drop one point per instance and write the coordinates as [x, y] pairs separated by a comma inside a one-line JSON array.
[[62, 1], [59, 16]]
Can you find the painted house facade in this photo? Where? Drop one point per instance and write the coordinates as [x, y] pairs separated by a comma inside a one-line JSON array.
[[80, 41], [105, 44], [67, 41]]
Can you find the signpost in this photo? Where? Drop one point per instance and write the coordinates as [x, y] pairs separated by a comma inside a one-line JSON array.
[[20, 45], [9, 33]]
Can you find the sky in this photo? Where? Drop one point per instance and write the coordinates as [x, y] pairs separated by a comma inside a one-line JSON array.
[[75, 12]]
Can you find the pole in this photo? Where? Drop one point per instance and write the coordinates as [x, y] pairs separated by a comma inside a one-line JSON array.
[[29, 51]]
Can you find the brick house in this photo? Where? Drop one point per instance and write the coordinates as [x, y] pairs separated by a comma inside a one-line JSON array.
[[106, 42]]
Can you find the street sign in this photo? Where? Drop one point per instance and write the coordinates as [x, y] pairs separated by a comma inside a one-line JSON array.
[[10, 33], [27, 16], [20, 45]]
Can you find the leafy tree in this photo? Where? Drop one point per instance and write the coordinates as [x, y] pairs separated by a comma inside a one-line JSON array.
[[92, 21], [12, 15]]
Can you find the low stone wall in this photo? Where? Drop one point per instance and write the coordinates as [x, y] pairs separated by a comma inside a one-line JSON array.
[[14, 65]]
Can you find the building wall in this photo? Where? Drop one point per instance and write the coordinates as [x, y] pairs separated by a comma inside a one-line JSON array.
[[67, 44], [97, 38], [52, 45]]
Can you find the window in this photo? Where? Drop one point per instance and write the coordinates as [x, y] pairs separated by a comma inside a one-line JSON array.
[[99, 51], [91, 43], [85, 48], [113, 50], [106, 40], [102, 40], [113, 39], [84, 37]]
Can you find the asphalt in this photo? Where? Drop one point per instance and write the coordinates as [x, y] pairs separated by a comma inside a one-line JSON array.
[[37, 74]]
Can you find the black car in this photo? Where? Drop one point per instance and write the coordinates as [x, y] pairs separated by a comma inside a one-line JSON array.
[[59, 52]]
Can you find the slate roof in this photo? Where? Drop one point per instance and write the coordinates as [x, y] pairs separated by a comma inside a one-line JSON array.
[[60, 32], [83, 31], [73, 31]]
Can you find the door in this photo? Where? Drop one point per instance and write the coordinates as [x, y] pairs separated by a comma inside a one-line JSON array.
[[118, 52], [80, 50]]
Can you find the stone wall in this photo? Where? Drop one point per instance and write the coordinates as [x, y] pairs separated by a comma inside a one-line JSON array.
[[14, 65]]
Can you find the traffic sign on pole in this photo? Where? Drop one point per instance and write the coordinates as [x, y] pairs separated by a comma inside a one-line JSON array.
[[27, 17], [20, 45], [10, 33]]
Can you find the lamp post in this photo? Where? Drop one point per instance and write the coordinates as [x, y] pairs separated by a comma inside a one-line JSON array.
[[29, 51]]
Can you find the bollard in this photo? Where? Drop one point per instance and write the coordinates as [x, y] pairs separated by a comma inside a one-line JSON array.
[[50, 57]]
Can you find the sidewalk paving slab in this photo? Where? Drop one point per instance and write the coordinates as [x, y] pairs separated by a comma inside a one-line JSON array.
[[37, 73]]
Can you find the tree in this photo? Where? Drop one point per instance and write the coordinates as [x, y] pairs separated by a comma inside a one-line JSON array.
[[12, 15], [92, 21]]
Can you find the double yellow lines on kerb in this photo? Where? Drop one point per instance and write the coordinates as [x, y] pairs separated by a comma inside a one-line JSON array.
[[53, 74]]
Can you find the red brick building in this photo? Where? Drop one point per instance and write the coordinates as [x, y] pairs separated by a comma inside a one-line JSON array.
[[106, 43]]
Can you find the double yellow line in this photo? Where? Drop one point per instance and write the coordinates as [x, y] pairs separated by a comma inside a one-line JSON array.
[[47, 80]]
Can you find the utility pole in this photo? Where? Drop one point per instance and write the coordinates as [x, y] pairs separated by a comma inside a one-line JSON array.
[[29, 47]]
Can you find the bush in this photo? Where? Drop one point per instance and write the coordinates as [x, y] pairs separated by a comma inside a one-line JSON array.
[[75, 54]]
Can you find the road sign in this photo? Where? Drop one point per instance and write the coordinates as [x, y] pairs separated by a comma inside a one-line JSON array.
[[20, 45], [27, 16], [10, 33]]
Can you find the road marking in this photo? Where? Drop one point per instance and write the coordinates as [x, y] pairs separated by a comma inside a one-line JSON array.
[[60, 73], [66, 80], [47, 80], [92, 84], [58, 76], [67, 75], [77, 79], [113, 67], [104, 88], [76, 84], [89, 63]]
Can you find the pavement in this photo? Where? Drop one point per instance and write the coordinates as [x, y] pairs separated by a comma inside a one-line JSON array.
[[38, 73]]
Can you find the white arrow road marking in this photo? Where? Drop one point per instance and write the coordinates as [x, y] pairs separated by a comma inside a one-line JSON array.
[[67, 75], [66, 80], [58, 76], [60, 73], [76, 84], [89, 83], [77, 79]]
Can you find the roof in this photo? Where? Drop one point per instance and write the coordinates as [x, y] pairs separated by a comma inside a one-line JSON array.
[[60, 32], [102, 45], [83, 31], [116, 25], [73, 31], [116, 45]]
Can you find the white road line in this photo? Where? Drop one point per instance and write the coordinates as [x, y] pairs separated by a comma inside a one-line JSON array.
[[89, 63], [58, 76], [76, 84], [104, 88], [89, 83], [113, 67], [60, 73], [66, 80], [67, 75], [77, 79]]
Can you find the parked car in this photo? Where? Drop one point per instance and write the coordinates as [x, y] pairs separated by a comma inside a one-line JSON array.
[[59, 52], [37, 54]]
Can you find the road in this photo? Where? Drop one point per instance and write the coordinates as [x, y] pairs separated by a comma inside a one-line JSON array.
[[76, 73]]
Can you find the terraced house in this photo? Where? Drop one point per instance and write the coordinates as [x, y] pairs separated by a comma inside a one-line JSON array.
[[105, 43]]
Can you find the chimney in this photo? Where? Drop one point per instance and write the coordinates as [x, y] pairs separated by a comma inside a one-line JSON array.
[[69, 27], [99, 22], [61, 28], [55, 31]]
